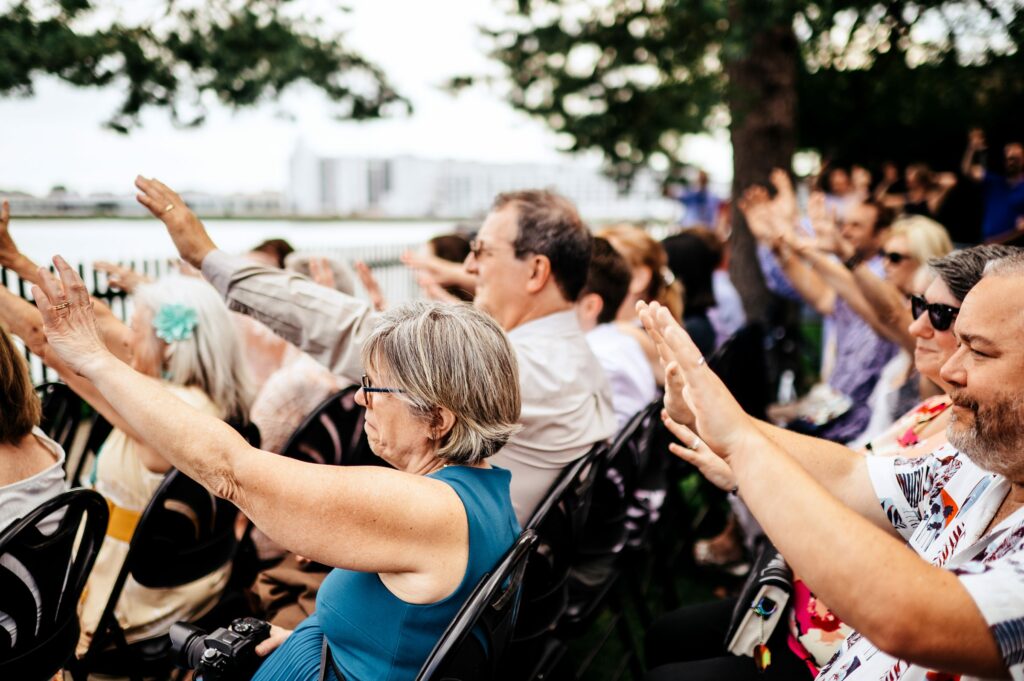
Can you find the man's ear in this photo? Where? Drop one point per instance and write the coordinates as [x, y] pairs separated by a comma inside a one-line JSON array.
[[540, 273]]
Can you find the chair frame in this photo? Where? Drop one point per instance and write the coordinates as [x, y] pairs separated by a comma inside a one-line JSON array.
[[77, 503], [496, 591]]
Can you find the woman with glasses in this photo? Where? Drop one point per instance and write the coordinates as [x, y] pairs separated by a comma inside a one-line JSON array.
[[442, 394], [814, 632]]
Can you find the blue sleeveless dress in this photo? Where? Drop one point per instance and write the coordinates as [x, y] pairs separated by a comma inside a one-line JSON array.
[[371, 632]]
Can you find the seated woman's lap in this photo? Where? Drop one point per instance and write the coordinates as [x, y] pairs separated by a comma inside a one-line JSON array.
[[689, 644]]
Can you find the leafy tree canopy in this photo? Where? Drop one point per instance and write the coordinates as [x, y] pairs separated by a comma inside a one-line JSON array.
[[873, 79], [240, 52]]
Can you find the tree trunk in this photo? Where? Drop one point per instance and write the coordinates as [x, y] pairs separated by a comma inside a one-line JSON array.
[[762, 102]]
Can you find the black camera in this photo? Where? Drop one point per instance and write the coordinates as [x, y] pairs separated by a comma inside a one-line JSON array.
[[228, 654]]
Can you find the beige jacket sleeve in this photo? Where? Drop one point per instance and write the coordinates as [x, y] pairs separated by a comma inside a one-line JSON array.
[[327, 324]]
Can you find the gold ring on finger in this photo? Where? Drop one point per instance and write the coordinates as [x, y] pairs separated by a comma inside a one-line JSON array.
[[169, 208]]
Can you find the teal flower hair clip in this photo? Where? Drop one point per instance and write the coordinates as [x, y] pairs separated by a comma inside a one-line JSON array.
[[175, 322]]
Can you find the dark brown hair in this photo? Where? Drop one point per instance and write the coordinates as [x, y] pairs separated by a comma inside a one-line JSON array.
[[550, 225], [19, 406], [609, 278]]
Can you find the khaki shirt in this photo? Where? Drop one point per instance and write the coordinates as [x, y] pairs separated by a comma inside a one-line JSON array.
[[567, 405]]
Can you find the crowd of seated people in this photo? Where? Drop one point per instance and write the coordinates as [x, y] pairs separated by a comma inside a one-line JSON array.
[[542, 342]]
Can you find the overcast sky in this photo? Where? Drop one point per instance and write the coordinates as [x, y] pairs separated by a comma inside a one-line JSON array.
[[56, 137]]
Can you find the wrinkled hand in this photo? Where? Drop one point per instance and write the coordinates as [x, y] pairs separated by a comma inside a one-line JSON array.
[[276, 638], [371, 285], [696, 452], [121, 277], [68, 318], [186, 230], [718, 418]]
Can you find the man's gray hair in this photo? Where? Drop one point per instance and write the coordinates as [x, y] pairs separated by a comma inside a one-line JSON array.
[[456, 357], [961, 270], [1009, 265]]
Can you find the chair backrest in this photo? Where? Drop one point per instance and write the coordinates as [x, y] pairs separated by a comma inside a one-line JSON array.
[[62, 412], [742, 364], [333, 434], [41, 581], [185, 533], [613, 518], [558, 522], [472, 645]]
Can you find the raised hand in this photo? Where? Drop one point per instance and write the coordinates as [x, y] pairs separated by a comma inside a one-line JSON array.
[[371, 285], [675, 405], [186, 230], [121, 277], [756, 209], [433, 290], [695, 451], [719, 419], [68, 318], [976, 139], [8, 249], [785, 196], [321, 272]]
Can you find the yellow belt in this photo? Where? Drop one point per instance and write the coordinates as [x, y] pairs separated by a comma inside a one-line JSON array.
[[122, 522]]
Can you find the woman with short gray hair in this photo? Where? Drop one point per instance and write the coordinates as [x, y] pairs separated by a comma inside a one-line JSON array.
[[441, 393]]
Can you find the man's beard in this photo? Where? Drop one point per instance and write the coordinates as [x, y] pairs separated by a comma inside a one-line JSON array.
[[991, 435]]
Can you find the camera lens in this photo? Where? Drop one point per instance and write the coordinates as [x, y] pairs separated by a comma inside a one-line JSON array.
[[189, 642]]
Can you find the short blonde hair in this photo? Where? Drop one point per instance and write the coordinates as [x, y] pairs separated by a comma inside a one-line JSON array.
[[456, 357], [926, 239], [19, 406]]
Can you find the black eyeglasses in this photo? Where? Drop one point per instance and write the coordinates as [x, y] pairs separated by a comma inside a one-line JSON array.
[[895, 258], [368, 390], [941, 316]]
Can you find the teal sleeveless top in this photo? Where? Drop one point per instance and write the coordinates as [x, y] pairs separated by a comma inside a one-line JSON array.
[[372, 633]]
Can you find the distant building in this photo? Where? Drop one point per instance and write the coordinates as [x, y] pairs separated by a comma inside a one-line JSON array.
[[65, 203], [406, 186]]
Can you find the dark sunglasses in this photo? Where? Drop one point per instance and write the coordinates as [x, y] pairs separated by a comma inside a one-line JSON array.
[[941, 316], [895, 258]]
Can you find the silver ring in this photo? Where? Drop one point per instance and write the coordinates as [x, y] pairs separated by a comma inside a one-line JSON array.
[[696, 443], [701, 361]]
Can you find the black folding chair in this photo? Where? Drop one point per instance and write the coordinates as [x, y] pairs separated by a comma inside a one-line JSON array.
[[62, 412], [473, 644], [333, 434], [558, 522], [41, 581], [184, 534], [742, 364]]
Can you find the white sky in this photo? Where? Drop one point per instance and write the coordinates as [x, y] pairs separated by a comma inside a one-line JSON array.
[[56, 137]]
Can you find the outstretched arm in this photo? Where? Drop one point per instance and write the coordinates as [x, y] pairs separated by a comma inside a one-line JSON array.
[[116, 334], [871, 579], [325, 323], [352, 517]]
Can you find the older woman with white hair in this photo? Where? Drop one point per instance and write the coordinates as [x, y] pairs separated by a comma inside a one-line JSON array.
[[442, 394], [181, 340]]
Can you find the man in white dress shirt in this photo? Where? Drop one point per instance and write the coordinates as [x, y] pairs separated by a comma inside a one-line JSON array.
[[529, 263]]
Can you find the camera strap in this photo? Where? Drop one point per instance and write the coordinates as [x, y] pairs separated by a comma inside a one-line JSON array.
[[325, 660]]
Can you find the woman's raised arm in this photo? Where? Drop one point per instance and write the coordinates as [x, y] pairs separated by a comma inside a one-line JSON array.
[[355, 518]]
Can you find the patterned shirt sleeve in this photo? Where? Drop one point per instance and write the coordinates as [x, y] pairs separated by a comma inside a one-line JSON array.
[[904, 488], [996, 589]]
